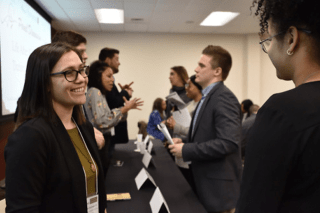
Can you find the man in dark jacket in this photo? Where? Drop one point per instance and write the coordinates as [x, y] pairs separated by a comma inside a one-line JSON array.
[[115, 98]]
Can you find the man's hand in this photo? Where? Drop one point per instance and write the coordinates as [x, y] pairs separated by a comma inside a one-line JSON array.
[[176, 149], [99, 138], [171, 122], [176, 140], [127, 88]]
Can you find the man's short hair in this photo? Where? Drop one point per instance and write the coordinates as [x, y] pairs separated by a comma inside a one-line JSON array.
[[107, 53], [70, 37], [220, 58]]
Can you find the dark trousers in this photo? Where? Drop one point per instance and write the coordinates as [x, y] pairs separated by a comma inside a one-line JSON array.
[[189, 177]]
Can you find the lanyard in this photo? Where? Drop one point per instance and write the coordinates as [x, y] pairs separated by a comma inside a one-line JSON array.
[[92, 162]]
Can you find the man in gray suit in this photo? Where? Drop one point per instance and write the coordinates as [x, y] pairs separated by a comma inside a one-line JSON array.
[[213, 144]]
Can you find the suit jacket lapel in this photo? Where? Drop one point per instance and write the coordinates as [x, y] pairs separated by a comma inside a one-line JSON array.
[[74, 165], [201, 112]]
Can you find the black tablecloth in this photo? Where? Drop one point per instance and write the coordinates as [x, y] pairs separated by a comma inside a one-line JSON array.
[[173, 186]]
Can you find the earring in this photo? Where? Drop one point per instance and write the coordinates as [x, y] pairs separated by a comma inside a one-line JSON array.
[[289, 52]]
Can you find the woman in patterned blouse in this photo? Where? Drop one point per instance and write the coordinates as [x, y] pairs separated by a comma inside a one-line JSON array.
[[98, 112]]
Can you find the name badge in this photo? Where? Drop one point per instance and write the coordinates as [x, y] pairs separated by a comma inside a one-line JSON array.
[[93, 204]]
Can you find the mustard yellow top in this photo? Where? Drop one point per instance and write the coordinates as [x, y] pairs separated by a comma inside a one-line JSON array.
[[85, 160]]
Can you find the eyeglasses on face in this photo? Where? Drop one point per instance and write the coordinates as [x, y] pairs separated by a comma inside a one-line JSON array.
[[265, 44], [71, 75]]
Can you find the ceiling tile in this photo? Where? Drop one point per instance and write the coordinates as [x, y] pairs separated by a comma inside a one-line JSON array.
[[167, 5], [194, 16], [203, 5], [138, 10], [112, 27], [107, 4], [53, 9], [185, 28], [135, 27], [204, 29], [158, 15], [165, 18], [78, 15], [88, 26], [176, 2], [228, 5], [159, 28], [74, 4], [141, 1]]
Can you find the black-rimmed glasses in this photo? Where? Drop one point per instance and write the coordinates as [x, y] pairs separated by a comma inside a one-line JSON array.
[[265, 44], [71, 75]]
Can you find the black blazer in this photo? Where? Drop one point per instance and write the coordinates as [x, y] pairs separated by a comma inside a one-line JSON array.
[[214, 150], [115, 100], [43, 171], [282, 165]]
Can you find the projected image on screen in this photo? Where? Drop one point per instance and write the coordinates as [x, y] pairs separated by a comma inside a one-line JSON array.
[[22, 31]]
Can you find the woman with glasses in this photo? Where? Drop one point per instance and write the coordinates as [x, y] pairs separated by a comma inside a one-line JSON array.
[[193, 91], [52, 160], [282, 168], [99, 114]]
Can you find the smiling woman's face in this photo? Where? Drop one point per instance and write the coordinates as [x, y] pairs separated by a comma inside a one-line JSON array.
[[107, 79], [67, 94]]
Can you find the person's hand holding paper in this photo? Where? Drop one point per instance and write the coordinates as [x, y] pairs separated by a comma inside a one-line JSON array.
[[162, 127], [176, 148], [171, 122]]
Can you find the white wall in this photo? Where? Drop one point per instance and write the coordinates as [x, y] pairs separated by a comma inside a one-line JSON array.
[[147, 58]]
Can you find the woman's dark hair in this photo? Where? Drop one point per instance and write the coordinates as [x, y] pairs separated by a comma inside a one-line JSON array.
[[193, 80], [36, 98], [285, 13], [96, 70], [246, 106], [182, 73], [157, 105]]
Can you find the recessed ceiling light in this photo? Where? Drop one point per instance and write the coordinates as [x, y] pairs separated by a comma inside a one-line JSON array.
[[219, 18], [109, 16]]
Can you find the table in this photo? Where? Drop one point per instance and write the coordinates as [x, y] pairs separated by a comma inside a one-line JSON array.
[[173, 186]]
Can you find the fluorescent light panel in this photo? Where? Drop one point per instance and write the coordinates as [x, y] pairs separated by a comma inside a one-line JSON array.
[[109, 16], [219, 18]]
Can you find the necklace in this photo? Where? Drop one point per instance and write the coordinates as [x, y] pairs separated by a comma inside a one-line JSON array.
[[93, 168]]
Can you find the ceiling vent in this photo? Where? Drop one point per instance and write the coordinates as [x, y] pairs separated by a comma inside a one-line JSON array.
[[137, 19]]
